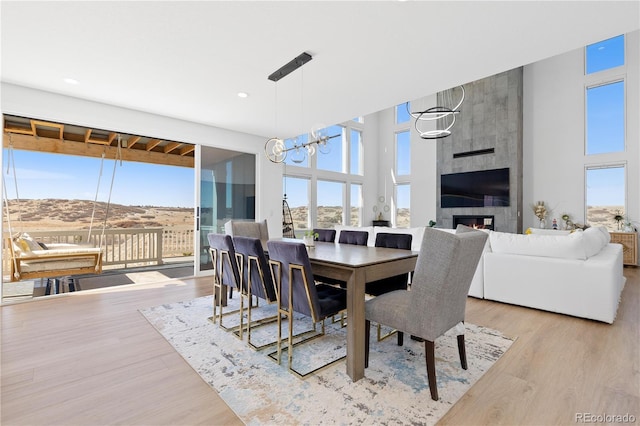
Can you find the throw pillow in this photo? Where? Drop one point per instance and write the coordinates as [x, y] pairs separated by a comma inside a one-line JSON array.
[[33, 244]]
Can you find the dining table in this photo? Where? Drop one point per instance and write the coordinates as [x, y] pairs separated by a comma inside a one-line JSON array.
[[357, 265]]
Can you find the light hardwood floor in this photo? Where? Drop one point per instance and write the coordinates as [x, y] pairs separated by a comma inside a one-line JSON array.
[[90, 358]]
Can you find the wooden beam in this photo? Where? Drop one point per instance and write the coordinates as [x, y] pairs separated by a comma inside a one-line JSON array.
[[36, 123], [187, 149], [106, 141], [56, 146], [132, 141], [152, 144], [21, 130], [171, 146]]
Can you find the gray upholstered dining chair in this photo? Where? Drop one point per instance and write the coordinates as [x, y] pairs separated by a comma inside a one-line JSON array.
[[398, 282], [244, 228], [225, 274], [297, 292], [256, 278], [437, 298]]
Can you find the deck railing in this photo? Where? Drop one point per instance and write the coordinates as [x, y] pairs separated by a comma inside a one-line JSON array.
[[127, 246]]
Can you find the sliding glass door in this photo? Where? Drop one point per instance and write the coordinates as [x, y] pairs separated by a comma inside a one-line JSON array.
[[226, 189]]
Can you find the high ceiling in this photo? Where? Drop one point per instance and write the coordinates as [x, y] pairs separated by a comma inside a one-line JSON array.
[[188, 60]]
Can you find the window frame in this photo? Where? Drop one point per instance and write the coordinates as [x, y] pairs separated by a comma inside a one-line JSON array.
[[602, 166], [345, 177]]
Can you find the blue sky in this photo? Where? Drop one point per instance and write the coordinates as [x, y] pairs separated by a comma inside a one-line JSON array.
[[43, 175]]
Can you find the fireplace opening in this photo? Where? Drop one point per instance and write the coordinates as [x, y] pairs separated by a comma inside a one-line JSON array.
[[474, 221]]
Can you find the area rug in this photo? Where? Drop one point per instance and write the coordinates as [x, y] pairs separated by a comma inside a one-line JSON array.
[[259, 391]]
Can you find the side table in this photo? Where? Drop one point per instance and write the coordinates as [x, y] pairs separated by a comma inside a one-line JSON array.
[[629, 241]]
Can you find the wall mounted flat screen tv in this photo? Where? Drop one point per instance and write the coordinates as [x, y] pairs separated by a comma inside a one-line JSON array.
[[483, 188]]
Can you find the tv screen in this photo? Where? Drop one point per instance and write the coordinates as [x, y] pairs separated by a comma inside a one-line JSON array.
[[484, 188]]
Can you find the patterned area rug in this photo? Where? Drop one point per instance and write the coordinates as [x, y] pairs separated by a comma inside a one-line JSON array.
[[259, 391]]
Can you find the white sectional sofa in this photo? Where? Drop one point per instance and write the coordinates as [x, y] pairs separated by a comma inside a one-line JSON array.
[[578, 274]]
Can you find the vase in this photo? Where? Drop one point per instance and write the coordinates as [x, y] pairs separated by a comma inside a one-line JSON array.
[[308, 241], [542, 224]]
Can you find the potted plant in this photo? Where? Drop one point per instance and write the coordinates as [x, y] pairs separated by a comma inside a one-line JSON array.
[[310, 238], [618, 218]]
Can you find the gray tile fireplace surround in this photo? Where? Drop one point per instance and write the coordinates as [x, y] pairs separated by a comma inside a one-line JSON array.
[[487, 135]]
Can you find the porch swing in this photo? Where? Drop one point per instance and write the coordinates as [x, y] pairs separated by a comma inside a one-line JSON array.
[[31, 259]]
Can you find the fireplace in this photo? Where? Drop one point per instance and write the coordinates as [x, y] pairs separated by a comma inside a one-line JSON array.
[[474, 221]]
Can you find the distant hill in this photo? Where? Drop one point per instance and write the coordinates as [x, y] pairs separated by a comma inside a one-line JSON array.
[[59, 214]]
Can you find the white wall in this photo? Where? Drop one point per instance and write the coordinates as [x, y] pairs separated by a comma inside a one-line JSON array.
[[554, 135], [21, 101]]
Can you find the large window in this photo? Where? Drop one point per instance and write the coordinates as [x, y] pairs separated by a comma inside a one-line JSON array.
[[355, 218], [335, 172], [296, 191], [355, 160], [403, 153], [403, 206], [402, 113], [605, 195], [330, 204], [604, 55], [605, 118]]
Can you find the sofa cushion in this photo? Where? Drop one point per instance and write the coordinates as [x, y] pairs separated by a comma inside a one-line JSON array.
[[563, 246], [594, 240]]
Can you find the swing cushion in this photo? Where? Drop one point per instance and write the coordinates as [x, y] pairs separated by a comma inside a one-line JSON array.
[[24, 243]]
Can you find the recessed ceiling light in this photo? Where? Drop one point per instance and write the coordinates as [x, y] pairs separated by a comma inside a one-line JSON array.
[[243, 95], [71, 81]]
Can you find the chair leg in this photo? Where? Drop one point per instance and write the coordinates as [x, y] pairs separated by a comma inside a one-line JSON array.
[[367, 338], [429, 349], [462, 351], [400, 338]]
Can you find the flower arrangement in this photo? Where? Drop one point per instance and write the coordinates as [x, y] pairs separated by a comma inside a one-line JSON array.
[[311, 234], [618, 218], [540, 210], [567, 221]]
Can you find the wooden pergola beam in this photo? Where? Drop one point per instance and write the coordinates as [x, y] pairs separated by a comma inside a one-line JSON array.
[[67, 147], [171, 146], [20, 130], [187, 149], [132, 141], [152, 144], [36, 123]]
